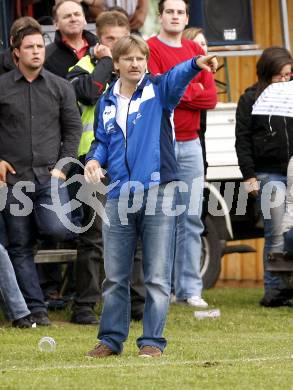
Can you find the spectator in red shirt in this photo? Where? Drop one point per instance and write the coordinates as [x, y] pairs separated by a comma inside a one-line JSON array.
[[167, 49]]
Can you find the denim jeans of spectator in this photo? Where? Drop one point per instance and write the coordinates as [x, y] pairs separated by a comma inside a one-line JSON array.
[[11, 298], [187, 278], [156, 227], [271, 201], [25, 220]]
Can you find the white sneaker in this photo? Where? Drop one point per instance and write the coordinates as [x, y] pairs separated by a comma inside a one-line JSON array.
[[197, 301], [172, 298]]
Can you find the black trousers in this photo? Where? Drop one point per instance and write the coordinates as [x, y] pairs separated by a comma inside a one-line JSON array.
[[89, 264]]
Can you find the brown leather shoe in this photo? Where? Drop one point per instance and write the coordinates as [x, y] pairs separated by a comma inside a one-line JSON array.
[[100, 351], [149, 351]]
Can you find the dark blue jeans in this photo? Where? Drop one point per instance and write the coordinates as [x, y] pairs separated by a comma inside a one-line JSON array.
[[272, 185], [156, 228], [26, 219], [10, 296]]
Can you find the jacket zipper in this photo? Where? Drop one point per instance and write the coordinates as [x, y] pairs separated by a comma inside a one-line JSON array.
[[286, 134], [126, 143], [287, 138], [270, 127]]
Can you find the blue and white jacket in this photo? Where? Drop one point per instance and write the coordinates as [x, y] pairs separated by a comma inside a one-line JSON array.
[[146, 154]]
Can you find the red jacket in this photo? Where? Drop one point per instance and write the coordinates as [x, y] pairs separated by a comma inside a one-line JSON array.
[[187, 113]]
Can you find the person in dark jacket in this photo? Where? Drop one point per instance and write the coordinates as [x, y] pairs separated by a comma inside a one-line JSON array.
[[71, 40], [90, 75], [40, 124], [264, 145]]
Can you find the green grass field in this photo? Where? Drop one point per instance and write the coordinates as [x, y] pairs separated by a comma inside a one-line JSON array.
[[248, 347]]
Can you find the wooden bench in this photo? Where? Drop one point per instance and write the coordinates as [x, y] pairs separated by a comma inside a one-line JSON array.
[[45, 256], [280, 262], [55, 256]]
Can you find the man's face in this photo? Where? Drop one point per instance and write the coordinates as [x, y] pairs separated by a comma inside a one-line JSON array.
[[31, 53], [70, 20], [111, 34], [174, 17], [131, 66]]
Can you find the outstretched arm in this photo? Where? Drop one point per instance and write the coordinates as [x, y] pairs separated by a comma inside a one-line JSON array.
[[174, 82], [201, 93], [208, 62]]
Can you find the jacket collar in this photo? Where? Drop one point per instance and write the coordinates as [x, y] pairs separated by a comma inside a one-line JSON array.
[[18, 75], [87, 35], [110, 92]]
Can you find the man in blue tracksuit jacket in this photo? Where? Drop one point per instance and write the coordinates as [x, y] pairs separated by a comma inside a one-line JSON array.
[[134, 140]]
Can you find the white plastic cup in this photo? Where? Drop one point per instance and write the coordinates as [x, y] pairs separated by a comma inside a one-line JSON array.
[[47, 344], [200, 315]]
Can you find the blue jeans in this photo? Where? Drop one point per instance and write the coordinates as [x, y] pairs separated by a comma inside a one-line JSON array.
[[272, 185], [10, 296], [187, 278], [157, 236], [22, 231]]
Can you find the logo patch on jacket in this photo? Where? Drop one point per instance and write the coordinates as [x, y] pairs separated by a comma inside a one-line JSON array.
[[109, 119], [110, 127]]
